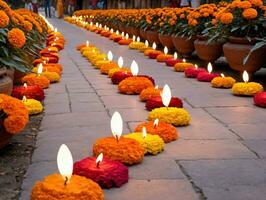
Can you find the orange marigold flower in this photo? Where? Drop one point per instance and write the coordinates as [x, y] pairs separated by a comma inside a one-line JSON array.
[[250, 13], [16, 37], [256, 2], [28, 25], [4, 19], [245, 4], [226, 18]]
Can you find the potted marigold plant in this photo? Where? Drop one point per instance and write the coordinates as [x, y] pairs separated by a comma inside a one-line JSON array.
[[242, 22], [13, 118]]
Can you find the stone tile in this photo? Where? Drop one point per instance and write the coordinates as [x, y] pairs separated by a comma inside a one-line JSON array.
[[249, 131], [239, 115], [200, 116], [86, 107], [56, 98], [226, 173], [133, 125], [80, 90], [57, 108], [152, 168], [131, 114], [122, 102], [154, 189], [241, 192], [109, 92], [206, 149], [84, 97], [77, 86], [74, 120], [259, 146]]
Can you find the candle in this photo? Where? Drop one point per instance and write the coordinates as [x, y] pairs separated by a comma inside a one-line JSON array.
[[154, 53], [246, 88], [30, 92], [134, 84], [52, 76], [136, 44], [49, 68], [164, 57], [107, 173], [98, 64], [193, 72], [119, 68], [207, 76], [260, 99], [149, 93], [182, 66], [223, 82], [172, 61], [98, 57], [166, 131], [125, 150], [119, 76], [152, 144], [171, 115], [107, 67], [125, 41], [65, 185], [145, 47], [156, 102], [36, 79], [33, 106]]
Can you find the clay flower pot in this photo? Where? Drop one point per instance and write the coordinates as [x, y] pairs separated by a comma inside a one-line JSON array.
[[153, 36], [166, 41], [183, 45], [6, 83], [208, 52], [235, 51], [142, 33], [135, 32]]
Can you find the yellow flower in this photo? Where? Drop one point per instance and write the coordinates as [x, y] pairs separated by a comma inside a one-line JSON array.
[[33, 106]]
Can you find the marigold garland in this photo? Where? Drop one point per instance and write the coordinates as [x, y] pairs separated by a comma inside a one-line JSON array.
[[47, 69], [134, 85], [33, 79], [223, 82], [247, 89], [166, 131], [120, 76], [52, 76], [156, 102], [152, 144], [17, 114], [127, 151], [4, 19], [105, 68], [125, 41], [136, 45], [114, 70], [175, 116], [33, 106], [182, 66], [163, 57], [53, 187], [30, 92], [16, 37], [149, 93]]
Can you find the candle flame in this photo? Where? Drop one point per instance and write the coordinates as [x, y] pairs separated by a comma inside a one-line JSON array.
[[146, 43], [25, 85], [91, 24], [24, 99], [245, 76], [196, 66], [156, 87], [184, 60], [144, 132], [117, 125], [166, 95], [120, 62], [100, 26], [97, 24], [138, 39], [110, 55], [87, 43], [175, 56], [55, 30], [155, 123], [40, 68], [117, 32], [134, 38], [127, 36], [134, 68], [165, 50], [99, 159], [65, 163], [154, 46], [112, 31], [222, 75], [209, 67], [123, 34]]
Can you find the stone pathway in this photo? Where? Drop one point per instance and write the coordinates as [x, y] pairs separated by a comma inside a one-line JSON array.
[[221, 155]]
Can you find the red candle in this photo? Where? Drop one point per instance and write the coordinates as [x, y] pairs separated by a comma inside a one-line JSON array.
[[120, 76], [260, 99], [207, 76], [193, 72], [107, 173], [30, 92], [154, 54], [171, 61], [156, 102], [118, 38]]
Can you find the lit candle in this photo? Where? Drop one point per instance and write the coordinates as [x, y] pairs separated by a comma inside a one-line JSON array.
[[40, 68], [173, 60], [165, 56], [207, 76], [65, 184], [120, 62], [193, 72], [110, 56], [223, 82], [246, 88]]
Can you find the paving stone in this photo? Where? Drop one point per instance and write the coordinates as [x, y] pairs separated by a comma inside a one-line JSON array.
[[206, 149], [86, 107], [241, 192], [109, 92], [259, 146], [122, 102], [57, 108], [154, 189], [150, 166], [73, 120], [131, 114], [84, 97], [226, 173], [249, 131], [80, 90], [56, 98], [239, 115]]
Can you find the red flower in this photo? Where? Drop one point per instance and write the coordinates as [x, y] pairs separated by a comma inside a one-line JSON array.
[[260, 99], [31, 92], [156, 102]]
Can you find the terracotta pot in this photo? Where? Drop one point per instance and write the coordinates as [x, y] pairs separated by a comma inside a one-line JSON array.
[[208, 52], [135, 32], [166, 40], [143, 34], [4, 137], [6, 84], [235, 51], [18, 76], [153, 36], [10, 73], [183, 45]]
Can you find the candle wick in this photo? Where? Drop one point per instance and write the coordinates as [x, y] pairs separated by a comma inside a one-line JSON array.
[[66, 180], [98, 164], [117, 139]]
